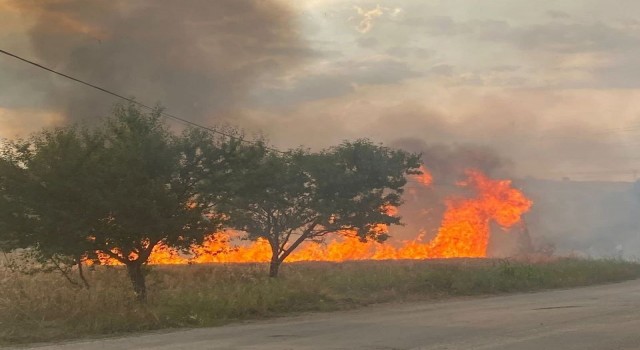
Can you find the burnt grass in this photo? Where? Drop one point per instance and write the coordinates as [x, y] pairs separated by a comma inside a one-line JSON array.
[[43, 307]]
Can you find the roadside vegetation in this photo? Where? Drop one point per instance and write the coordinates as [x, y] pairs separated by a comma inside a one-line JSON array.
[[42, 307], [130, 183]]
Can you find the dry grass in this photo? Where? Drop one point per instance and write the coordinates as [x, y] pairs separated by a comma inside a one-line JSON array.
[[44, 307]]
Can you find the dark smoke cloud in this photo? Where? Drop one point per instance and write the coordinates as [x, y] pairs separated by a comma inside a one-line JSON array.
[[449, 162], [199, 58]]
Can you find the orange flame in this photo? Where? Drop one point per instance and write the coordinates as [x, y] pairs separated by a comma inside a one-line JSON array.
[[464, 232], [425, 178], [465, 227]]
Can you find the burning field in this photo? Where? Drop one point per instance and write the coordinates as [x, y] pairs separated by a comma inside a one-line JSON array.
[[464, 232], [223, 280]]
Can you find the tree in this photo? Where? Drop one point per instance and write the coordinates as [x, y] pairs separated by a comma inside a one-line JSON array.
[[118, 190], [297, 196], [150, 180], [11, 215], [51, 194]]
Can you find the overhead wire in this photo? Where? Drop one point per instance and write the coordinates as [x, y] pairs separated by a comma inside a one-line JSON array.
[[131, 100], [120, 96]]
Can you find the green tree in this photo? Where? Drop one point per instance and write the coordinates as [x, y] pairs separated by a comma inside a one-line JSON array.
[[150, 180], [119, 189], [48, 191], [297, 196], [11, 215]]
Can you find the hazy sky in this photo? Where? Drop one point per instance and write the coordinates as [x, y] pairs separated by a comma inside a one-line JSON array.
[[552, 86]]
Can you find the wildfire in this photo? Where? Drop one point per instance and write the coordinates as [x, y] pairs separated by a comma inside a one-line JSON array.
[[465, 227], [425, 178], [464, 232]]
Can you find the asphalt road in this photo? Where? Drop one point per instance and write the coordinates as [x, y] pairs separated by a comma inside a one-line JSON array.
[[599, 318]]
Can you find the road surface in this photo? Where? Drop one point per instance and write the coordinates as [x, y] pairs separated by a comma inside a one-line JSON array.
[[599, 318]]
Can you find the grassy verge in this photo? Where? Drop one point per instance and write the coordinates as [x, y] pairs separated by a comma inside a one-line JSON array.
[[44, 307]]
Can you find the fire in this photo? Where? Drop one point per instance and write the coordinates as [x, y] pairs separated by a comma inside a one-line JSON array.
[[465, 226], [425, 178], [464, 232]]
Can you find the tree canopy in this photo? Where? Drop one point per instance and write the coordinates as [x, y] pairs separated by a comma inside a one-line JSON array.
[[118, 189], [12, 213], [52, 178], [121, 188], [288, 198]]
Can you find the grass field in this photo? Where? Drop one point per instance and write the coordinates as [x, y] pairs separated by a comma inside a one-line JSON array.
[[45, 307]]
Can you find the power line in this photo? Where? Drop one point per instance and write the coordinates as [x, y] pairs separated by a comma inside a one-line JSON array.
[[166, 115], [131, 100]]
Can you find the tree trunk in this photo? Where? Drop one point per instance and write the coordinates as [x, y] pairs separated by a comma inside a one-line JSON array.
[[274, 266], [137, 280], [81, 273], [277, 258]]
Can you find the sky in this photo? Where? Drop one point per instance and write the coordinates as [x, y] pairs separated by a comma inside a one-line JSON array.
[[550, 88]]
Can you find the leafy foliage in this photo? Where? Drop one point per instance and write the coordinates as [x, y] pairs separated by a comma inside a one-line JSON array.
[[296, 196], [10, 209], [54, 184], [118, 190], [149, 179], [122, 188]]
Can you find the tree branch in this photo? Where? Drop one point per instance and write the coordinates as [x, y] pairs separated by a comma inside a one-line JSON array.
[[306, 234], [81, 273], [285, 240], [146, 252], [114, 256], [64, 273]]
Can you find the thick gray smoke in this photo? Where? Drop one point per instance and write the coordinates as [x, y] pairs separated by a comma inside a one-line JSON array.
[[448, 162], [198, 57], [596, 219]]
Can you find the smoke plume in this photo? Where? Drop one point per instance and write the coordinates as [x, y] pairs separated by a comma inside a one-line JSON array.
[[449, 162], [198, 57]]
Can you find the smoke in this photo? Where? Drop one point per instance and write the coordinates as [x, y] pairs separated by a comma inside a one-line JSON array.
[[205, 60], [198, 57], [597, 219], [449, 162]]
